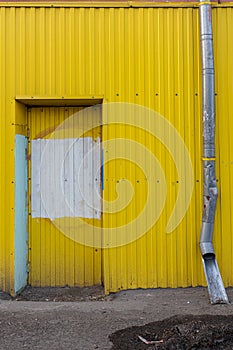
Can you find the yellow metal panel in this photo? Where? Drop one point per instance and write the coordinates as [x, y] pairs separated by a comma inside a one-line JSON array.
[[139, 54], [7, 138], [55, 259], [224, 89], [112, 4]]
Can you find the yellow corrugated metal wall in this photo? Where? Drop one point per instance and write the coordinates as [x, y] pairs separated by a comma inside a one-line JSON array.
[[148, 56]]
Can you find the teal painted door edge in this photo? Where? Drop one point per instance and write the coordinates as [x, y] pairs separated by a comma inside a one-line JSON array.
[[21, 214]]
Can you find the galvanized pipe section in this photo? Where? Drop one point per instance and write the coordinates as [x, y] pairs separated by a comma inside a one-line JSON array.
[[210, 191], [208, 118]]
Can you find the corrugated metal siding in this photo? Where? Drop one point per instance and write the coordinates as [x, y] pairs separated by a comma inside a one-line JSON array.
[[110, 3], [223, 49], [167, 82], [7, 139], [148, 56], [55, 259]]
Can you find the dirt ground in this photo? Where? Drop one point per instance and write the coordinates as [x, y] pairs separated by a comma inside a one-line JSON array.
[[178, 332], [61, 294], [90, 320]]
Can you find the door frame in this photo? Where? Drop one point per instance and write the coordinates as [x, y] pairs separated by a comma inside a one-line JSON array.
[[22, 104]]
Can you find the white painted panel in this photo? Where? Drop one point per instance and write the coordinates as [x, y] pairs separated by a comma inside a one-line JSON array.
[[66, 178], [21, 214]]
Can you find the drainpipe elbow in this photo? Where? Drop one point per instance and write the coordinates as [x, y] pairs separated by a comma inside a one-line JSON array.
[[209, 206], [206, 245]]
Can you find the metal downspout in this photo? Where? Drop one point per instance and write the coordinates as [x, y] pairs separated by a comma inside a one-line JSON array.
[[210, 192]]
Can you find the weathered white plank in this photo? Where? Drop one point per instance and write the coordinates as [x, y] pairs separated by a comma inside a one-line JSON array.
[[66, 178]]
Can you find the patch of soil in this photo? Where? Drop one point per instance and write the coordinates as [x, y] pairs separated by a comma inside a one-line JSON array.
[[62, 294], [5, 296], [178, 332]]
